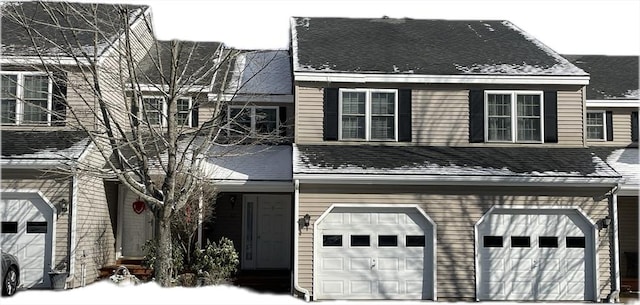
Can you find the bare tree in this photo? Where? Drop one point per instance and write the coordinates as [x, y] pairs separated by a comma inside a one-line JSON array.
[[105, 63]]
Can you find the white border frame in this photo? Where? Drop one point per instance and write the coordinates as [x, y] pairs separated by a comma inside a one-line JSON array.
[[317, 241], [533, 210], [367, 114], [514, 114]]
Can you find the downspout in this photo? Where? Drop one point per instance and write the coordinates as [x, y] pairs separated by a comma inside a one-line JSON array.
[[296, 237], [614, 296], [72, 227]]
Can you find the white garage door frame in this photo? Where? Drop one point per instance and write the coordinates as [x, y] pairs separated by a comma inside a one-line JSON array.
[[44, 205], [534, 210], [317, 239]]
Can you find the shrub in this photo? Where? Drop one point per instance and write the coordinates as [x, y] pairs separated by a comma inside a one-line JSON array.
[[216, 263]]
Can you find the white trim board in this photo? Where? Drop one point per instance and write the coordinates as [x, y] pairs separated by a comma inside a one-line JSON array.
[[614, 103], [335, 77]]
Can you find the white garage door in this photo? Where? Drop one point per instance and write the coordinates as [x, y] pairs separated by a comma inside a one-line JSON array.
[[27, 230], [535, 256], [374, 253]]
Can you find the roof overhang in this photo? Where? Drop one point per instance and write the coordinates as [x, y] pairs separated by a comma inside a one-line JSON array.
[[252, 186], [253, 97], [440, 79], [47, 60], [629, 190], [457, 180], [614, 103], [164, 88]]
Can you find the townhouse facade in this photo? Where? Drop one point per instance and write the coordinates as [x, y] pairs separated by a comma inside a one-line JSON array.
[[412, 159]]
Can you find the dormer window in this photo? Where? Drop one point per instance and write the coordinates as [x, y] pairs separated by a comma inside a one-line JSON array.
[[514, 116], [253, 119], [26, 98]]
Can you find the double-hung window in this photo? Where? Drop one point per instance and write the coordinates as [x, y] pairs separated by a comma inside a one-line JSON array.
[[26, 98], [253, 119], [596, 125], [514, 116], [368, 114], [155, 110]]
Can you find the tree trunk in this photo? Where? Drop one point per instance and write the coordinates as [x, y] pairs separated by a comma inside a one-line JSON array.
[[164, 260]]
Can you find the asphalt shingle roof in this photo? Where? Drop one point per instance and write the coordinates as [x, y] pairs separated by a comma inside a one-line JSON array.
[[426, 47], [48, 18], [196, 58], [612, 77], [58, 144], [450, 161]]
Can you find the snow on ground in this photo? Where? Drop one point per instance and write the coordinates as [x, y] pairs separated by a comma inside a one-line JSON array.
[[105, 292]]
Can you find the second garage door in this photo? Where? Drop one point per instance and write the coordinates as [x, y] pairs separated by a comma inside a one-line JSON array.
[[536, 255], [374, 253]]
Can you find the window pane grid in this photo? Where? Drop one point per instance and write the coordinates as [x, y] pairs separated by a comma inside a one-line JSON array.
[[368, 115], [504, 114], [182, 116], [499, 117], [153, 110], [595, 125], [266, 120]]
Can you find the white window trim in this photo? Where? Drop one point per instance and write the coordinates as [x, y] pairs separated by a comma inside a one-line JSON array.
[[253, 108], [163, 116], [514, 118], [20, 97], [188, 123], [604, 126], [367, 114]]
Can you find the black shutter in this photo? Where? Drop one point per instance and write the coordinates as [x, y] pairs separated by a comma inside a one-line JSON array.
[[551, 116], [476, 116], [59, 99], [609, 116], [330, 121], [404, 115], [634, 126], [283, 120], [194, 113]]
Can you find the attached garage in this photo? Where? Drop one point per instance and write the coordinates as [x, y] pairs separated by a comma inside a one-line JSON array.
[[374, 252], [536, 254], [27, 232]]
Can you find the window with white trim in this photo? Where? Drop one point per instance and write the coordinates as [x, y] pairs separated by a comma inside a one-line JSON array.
[[596, 125], [253, 119], [514, 116], [368, 114], [26, 98], [155, 110]]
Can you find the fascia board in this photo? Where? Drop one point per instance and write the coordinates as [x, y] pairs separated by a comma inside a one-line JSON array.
[[455, 180], [440, 79]]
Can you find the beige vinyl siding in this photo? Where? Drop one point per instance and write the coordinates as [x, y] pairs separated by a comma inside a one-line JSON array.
[[54, 188], [627, 231], [440, 116], [621, 127], [95, 236], [570, 117], [455, 211]]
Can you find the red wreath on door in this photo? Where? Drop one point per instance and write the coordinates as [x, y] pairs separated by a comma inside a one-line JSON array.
[[139, 206]]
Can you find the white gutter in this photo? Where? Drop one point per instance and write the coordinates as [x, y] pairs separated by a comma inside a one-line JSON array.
[[613, 103], [614, 296], [454, 180], [296, 237], [35, 60], [335, 77]]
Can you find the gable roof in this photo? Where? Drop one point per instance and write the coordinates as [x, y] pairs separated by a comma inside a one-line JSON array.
[[523, 164], [197, 58], [422, 47], [612, 77], [46, 19]]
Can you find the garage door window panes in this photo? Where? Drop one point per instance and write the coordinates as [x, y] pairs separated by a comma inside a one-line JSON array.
[[360, 241], [415, 240], [575, 242], [520, 242], [332, 240], [387, 241], [492, 241], [9, 227], [36, 227], [547, 242]]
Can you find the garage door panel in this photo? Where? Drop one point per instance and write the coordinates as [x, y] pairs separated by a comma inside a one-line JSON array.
[[379, 261], [545, 268]]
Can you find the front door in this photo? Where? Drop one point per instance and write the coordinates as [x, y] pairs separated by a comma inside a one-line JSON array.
[[266, 232], [136, 225]]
